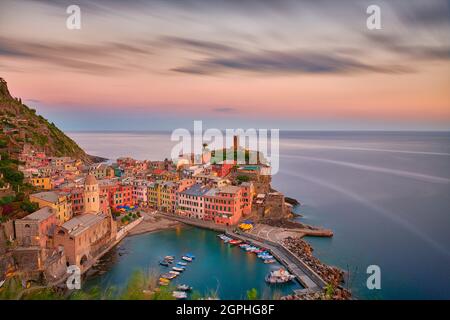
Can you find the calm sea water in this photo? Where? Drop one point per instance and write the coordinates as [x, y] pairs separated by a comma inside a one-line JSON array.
[[218, 267], [386, 195]]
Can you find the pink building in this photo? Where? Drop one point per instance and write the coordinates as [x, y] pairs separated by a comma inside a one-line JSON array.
[[248, 191], [224, 205]]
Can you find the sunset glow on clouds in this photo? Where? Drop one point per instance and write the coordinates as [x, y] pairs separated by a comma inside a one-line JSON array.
[[300, 64]]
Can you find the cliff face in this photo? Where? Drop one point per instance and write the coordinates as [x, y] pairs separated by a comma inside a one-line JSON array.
[[21, 125]]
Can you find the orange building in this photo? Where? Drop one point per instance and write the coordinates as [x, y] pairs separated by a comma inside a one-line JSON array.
[[224, 205]]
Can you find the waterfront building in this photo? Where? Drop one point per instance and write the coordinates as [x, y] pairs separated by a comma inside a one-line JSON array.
[[248, 192], [153, 195], [84, 237], [36, 229], [191, 202], [224, 205], [140, 192], [116, 193], [89, 234], [121, 196], [56, 200], [167, 196]]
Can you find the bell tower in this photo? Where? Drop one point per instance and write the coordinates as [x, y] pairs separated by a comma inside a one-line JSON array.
[[91, 195]]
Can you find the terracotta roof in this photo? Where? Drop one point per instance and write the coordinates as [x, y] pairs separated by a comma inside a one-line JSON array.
[[90, 180]]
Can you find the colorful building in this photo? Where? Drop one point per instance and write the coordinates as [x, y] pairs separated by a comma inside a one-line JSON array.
[[248, 192], [59, 201], [84, 237], [191, 202], [224, 205], [42, 182]]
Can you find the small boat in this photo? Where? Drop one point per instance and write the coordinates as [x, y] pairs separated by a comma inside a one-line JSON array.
[[180, 266], [164, 263], [178, 269], [168, 276], [163, 283], [174, 272], [266, 257], [181, 263], [186, 258], [235, 241], [269, 261], [179, 294], [184, 287], [169, 258], [190, 255], [279, 276]]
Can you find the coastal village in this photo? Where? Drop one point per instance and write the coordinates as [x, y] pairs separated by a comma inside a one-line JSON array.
[[61, 211], [84, 210]]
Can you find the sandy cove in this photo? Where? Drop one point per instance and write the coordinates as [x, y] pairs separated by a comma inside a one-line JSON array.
[[152, 223]]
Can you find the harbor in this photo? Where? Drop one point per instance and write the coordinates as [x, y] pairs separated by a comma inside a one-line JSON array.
[[218, 268], [309, 279]]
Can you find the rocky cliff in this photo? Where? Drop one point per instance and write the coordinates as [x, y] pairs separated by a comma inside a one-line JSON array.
[[21, 125]]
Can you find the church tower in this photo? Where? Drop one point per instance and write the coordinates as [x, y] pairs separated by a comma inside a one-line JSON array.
[[91, 195]]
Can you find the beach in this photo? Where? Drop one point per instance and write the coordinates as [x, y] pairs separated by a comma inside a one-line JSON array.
[[152, 223]]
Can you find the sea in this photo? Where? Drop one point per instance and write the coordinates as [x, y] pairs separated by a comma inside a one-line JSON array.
[[385, 195]]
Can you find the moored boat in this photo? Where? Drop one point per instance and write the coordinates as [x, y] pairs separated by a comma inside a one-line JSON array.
[[177, 269], [190, 255], [179, 294], [184, 287], [185, 258], [164, 263], [266, 261], [279, 276], [163, 283], [181, 263], [168, 276]]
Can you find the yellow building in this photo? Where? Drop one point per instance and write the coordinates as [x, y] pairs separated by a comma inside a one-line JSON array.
[[43, 183], [154, 195], [165, 196], [56, 200]]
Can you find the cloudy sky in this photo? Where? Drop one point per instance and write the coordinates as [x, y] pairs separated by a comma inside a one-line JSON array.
[[152, 65]]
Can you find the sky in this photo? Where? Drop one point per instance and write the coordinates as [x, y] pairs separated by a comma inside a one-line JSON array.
[[293, 65]]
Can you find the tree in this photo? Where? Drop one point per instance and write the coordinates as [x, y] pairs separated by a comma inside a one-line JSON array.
[[252, 294]]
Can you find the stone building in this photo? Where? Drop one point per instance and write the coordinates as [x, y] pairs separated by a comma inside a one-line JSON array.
[[91, 195], [87, 235], [37, 228]]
